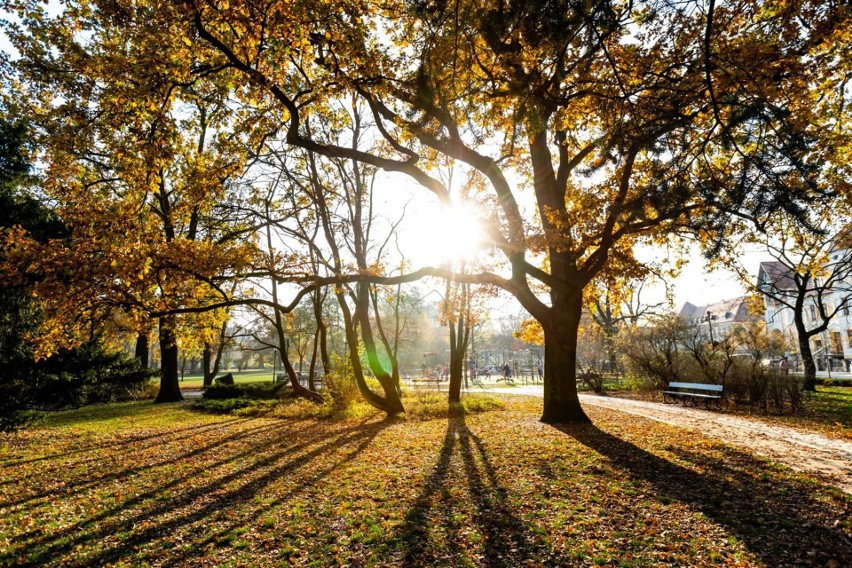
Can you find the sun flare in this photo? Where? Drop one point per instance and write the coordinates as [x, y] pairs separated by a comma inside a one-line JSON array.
[[451, 235]]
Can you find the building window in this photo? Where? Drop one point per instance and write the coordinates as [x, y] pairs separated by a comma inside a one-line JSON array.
[[811, 313]]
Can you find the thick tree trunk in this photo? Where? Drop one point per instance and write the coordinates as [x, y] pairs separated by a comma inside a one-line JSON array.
[[142, 353], [561, 403], [169, 383]]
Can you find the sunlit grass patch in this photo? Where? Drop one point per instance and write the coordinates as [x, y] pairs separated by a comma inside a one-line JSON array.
[[168, 486]]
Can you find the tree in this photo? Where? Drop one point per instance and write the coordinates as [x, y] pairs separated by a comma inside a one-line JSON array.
[[625, 121], [138, 174], [616, 303], [811, 277], [667, 106]]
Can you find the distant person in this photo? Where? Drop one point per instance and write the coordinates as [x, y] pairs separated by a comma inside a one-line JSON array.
[[507, 371], [784, 366]]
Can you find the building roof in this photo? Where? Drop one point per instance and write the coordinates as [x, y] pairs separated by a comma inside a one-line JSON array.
[[726, 311], [777, 274]]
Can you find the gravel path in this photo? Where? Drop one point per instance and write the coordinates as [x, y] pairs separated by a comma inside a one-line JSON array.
[[807, 452]]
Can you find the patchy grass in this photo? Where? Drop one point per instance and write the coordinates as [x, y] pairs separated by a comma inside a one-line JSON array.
[[828, 411], [138, 484]]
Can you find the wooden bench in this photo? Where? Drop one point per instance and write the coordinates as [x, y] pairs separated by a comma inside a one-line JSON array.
[[693, 393]]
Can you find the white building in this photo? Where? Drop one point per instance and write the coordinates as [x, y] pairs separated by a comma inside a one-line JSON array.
[[834, 345], [720, 318]]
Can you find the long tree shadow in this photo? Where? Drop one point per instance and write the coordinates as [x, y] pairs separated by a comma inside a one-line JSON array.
[[155, 439], [277, 455], [68, 489], [432, 529], [777, 519]]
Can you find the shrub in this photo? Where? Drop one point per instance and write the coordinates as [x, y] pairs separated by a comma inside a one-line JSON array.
[[254, 391], [340, 385]]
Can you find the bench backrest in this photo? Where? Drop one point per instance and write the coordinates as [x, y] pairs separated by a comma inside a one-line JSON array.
[[697, 386]]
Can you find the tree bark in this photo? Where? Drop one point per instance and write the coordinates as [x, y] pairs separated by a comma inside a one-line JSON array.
[[807, 360], [142, 352], [169, 383], [206, 356], [561, 329]]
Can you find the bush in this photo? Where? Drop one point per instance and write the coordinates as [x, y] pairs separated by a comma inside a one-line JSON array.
[[69, 379], [238, 406], [341, 386], [254, 391]]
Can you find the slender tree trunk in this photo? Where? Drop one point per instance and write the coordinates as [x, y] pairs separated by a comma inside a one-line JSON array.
[[206, 356], [142, 352], [455, 361], [808, 361], [220, 349], [352, 343], [390, 389], [313, 364], [561, 403], [169, 383]]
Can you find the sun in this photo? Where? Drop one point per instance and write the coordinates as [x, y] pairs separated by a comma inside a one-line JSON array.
[[447, 234]]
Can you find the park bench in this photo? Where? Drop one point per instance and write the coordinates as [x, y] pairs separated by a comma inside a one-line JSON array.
[[693, 393]]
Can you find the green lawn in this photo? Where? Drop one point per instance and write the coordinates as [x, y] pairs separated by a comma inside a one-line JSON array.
[[137, 484], [249, 376]]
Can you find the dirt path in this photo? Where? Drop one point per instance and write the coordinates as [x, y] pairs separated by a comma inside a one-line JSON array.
[[809, 453]]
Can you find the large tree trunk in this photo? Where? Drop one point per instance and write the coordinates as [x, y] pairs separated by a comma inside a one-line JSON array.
[[169, 383], [142, 352], [561, 403]]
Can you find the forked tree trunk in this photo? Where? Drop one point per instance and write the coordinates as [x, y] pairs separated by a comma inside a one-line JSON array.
[[390, 387], [561, 403], [169, 383], [391, 403]]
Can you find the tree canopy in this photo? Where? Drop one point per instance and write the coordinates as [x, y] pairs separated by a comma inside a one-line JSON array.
[[584, 126]]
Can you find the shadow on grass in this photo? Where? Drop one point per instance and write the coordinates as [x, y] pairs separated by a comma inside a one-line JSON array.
[[777, 519], [221, 494], [432, 527], [128, 442], [68, 490]]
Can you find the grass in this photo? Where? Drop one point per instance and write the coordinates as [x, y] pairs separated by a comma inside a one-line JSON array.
[[138, 484], [196, 381]]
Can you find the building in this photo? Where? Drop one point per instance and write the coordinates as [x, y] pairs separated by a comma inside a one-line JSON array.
[[720, 318]]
